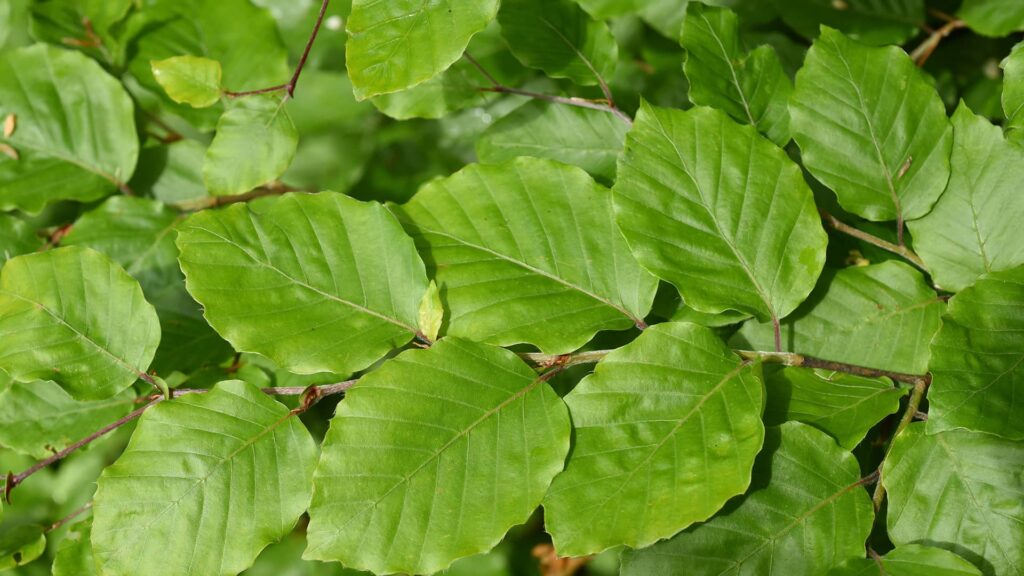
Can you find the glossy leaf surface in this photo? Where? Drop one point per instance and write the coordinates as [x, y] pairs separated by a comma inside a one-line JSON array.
[[189, 79]]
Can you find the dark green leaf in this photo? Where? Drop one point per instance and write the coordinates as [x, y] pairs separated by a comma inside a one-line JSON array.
[[875, 22]]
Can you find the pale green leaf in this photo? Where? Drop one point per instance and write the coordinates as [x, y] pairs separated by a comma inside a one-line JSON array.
[[993, 17], [254, 144], [871, 128], [20, 544], [189, 80], [75, 129], [880, 316], [397, 44], [805, 512], [207, 481], [558, 37], [978, 359], [138, 234], [875, 22], [285, 559], [306, 282], [719, 211], [1013, 93], [666, 430], [16, 237], [73, 316], [959, 491], [750, 86], [590, 139], [975, 226], [431, 312], [527, 251], [909, 560], [40, 418], [842, 405], [434, 456], [74, 554]]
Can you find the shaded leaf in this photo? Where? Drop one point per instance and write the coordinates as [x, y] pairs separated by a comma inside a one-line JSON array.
[[16, 237], [73, 316], [875, 22], [21, 544], [978, 359], [74, 553], [669, 423], [810, 516], [909, 560], [480, 230], [434, 456], [231, 463], [750, 86], [880, 316], [718, 211], [975, 226], [305, 281], [76, 129], [558, 37], [1013, 93], [396, 45], [172, 173], [842, 405], [959, 491], [871, 128], [189, 79], [254, 144], [992, 17]]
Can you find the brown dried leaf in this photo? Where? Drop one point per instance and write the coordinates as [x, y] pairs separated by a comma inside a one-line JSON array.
[[10, 122]]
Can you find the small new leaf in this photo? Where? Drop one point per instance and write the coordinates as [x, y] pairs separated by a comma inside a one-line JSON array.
[[431, 312], [189, 79]]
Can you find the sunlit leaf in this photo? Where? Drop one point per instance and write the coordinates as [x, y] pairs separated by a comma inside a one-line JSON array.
[[74, 553], [1013, 92], [189, 79], [992, 17], [254, 144]]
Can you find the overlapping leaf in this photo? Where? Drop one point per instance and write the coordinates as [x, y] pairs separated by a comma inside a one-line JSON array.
[[16, 237], [75, 137], [875, 22], [558, 37], [843, 405], [20, 544], [590, 139], [74, 554], [1013, 93], [207, 481], [992, 17], [880, 316], [434, 456], [316, 282], [960, 491], [670, 423], [871, 128], [909, 560], [139, 235], [750, 86], [254, 144], [975, 226], [73, 316], [718, 211], [398, 44], [805, 513], [527, 251], [978, 359], [189, 80]]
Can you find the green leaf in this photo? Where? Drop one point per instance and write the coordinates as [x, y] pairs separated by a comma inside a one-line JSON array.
[[909, 560], [431, 312], [72, 316], [590, 139], [978, 359], [992, 17], [305, 282], [959, 491], [842, 405], [558, 37], [229, 464], [396, 45], [806, 512], [138, 234], [869, 21], [670, 424], [871, 128], [189, 79], [1013, 93], [88, 25], [16, 237], [172, 173], [527, 251], [880, 316], [254, 144], [75, 129], [975, 226], [750, 86], [74, 553], [434, 456], [718, 211], [40, 418], [20, 545]]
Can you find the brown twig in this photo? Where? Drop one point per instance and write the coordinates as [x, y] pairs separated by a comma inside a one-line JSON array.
[[921, 54], [839, 226], [272, 189], [86, 507], [800, 360], [908, 416]]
